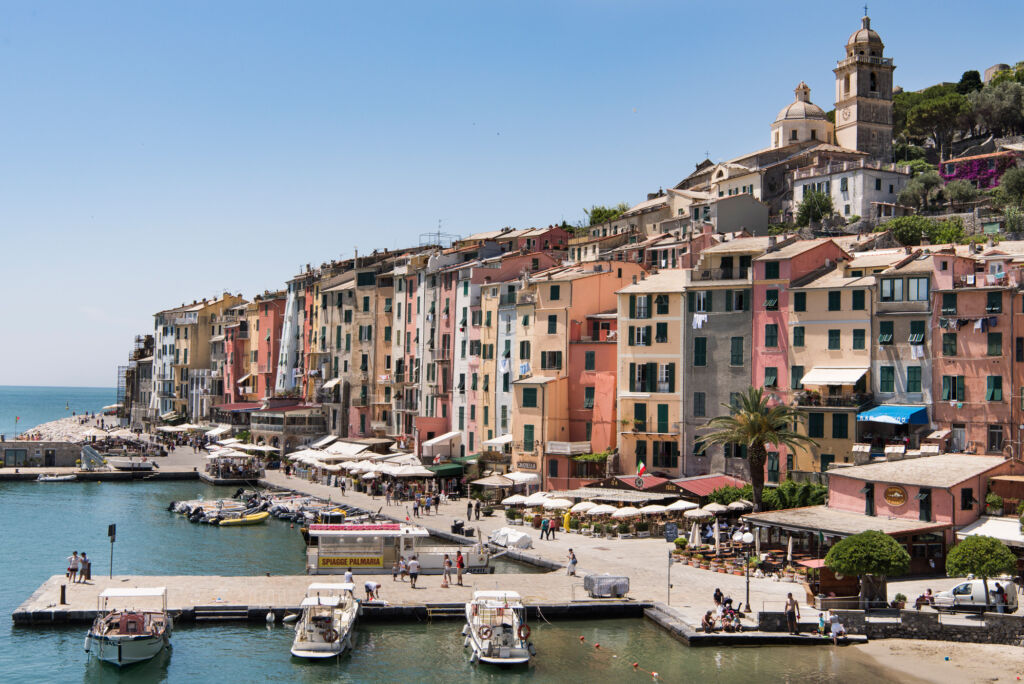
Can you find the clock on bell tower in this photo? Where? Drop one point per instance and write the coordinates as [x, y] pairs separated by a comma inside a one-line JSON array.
[[864, 119]]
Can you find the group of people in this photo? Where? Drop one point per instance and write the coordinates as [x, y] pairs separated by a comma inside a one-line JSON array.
[[420, 503], [79, 568], [829, 625], [723, 617]]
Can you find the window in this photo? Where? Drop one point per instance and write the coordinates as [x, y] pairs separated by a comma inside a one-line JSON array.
[[835, 300], [589, 361], [526, 321], [924, 499], [858, 300], [527, 438], [640, 417], [736, 351], [916, 332], [661, 332], [699, 405], [667, 377], [840, 426], [844, 181], [588, 397], [639, 336], [833, 339], [555, 293], [799, 301], [948, 303], [662, 418], [994, 303], [994, 388], [798, 336], [887, 379], [967, 499], [892, 290], [551, 360], [1020, 349], [917, 289], [552, 324], [524, 350], [643, 306], [796, 374], [702, 301], [859, 339], [771, 300], [995, 438], [661, 304], [529, 397], [885, 332], [995, 344], [462, 417], [771, 376], [816, 425], [913, 379], [771, 335], [949, 344], [771, 270], [953, 388], [700, 351]]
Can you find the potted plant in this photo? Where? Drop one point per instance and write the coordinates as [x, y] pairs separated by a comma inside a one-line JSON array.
[[574, 524], [680, 543], [624, 532], [585, 530], [993, 504], [714, 564], [626, 423], [488, 510], [901, 601], [790, 573], [705, 563], [510, 514], [643, 529], [696, 559]]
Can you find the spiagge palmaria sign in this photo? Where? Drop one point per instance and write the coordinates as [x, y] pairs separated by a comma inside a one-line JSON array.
[[350, 562]]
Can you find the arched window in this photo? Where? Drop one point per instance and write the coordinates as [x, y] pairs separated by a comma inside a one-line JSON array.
[[846, 84]]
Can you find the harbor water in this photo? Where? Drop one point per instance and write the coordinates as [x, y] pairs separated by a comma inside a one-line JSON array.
[[44, 522]]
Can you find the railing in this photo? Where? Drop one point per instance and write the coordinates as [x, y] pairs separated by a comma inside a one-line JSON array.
[[881, 61], [527, 298], [442, 354], [984, 280], [495, 457], [507, 300], [360, 401], [720, 274], [815, 399]]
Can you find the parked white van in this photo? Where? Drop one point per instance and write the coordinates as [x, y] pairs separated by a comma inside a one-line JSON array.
[[970, 596]]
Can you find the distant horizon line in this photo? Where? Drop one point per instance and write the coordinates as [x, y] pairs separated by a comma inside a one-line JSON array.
[[58, 387]]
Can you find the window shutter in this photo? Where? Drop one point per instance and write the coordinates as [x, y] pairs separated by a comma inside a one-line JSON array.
[[691, 301], [652, 377], [709, 298], [632, 306], [746, 299], [632, 334], [728, 300], [647, 336], [960, 394], [632, 377], [671, 377]]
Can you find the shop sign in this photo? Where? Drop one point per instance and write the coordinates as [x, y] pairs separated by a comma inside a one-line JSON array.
[[895, 496], [320, 527], [526, 465], [350, 562]]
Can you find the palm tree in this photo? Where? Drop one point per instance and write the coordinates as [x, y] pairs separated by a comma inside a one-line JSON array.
[[754, 423]]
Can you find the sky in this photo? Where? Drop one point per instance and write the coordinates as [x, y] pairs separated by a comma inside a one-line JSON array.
[[153, 153]]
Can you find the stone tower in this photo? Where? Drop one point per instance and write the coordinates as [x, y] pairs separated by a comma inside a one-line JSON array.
[[864, 95]]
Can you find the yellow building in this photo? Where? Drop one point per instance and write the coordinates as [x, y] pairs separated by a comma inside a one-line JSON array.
[[192, 372]]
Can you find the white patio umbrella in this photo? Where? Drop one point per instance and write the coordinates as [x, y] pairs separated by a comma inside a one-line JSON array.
[[653, 509], [537, 499], [557, 504], [350, 465], [697, 514], [602, 509], [625, 512], [740, 506], [682, 505], [789, 549], [715, 508], [413, 471], [694, 542], [123, 433], [371, 476], [582, 507], [718, 541], [514, 500]]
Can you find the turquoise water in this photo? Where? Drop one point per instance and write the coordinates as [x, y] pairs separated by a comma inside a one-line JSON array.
[[37, 405], [43, 523]]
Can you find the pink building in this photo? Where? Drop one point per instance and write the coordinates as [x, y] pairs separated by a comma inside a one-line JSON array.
[[268, 343]]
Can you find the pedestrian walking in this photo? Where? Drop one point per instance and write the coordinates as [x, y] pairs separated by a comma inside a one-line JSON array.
[[792, 614], [414, 571], [469, 510], [394, 572], [348, 576], [552, 525], [460, 564], [72, 566], [571, 569], [447, 577], [427, 502], [403, 568], [415, 508], [343, 486], [478, 509], [387, 496], [544, 528]]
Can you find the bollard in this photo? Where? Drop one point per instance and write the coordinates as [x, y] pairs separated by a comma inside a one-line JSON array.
[[63, 595]]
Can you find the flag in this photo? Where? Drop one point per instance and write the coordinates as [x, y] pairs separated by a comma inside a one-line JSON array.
[[640, 469], [437, 459], [17, 418]]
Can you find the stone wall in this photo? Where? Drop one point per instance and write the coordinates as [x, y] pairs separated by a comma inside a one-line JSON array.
[[996, 628], [29, 454]]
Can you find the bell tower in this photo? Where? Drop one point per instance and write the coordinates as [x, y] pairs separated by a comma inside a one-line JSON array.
[[864, 119]]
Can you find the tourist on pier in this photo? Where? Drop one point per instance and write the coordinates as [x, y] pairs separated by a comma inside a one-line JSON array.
[[395, 569], [426, 505], [792, 614], [544, 528], [837, 628], [414, 571], [447, 577], [372, 590], [718, 597], [460, 564], [552, 526], [348, 576], [84, 568], [72, 566], [571, 569], [707, 623]]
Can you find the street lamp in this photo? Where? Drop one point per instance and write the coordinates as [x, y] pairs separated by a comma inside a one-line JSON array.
[[745, 538]]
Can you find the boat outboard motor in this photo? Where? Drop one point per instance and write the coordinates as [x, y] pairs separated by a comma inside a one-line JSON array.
[[171, 506], [241, 490]]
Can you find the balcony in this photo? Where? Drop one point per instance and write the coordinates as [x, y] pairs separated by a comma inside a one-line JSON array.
[[496, 457], [984, 280], [865, 59], [712, 274], [527, 298], [507, 300], [805, 399], [568, 448], [360, 402], [266, 368], [398, 378], [442, 354]]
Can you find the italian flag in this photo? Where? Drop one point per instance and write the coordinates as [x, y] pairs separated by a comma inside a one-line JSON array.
[[640, 469]]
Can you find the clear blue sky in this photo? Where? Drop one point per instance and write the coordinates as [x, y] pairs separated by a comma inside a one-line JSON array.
[[157, 152]]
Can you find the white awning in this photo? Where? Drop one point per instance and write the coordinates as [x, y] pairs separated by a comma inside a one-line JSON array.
[[168, 415], [1006, 530], [500, 441], [229, 442], [333, 382], [522, 478], [111, 407], [323, 441], [242, 379], [218, 431], [441, 439], [833, 376], [346, 448]]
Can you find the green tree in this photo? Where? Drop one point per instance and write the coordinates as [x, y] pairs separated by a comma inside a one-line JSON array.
[[1013, 220], [814, 207], [725, 495], [969, 82], [999, 107], [754, 423], [920, 190], [1012, 183], [601, 214], [960, 192], [938, 117], [868, 553], [905, 152], [983, 557], [919, 166], [791, 494], [908, 230], [902, 103]]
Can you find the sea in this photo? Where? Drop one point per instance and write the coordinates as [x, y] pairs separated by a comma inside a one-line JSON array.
[[43, 522], [37, 405]]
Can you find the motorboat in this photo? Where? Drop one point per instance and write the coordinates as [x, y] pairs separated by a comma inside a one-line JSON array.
[[129, 463], [57, 478], [324, 628], [496, 629], [246, 519], [127, 635]]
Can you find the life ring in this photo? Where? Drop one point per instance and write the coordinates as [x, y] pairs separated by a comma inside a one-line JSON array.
[[330, 636], [523, 632], [486, 632]]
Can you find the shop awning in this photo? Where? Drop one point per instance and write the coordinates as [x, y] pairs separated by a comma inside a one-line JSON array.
[[446, 469], [1006, 530], [323, 441], [939, 434], [833, 376], [333, 382], [218, 431], [441, 439], [170, 415], [895, 415], [241, 380], [493, 481], [499, 441]]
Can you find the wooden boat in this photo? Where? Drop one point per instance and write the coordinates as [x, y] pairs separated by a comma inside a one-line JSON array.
[[496, 629], [324, 629], [251, 519], [57, 478], [130, 463], [124, 636]]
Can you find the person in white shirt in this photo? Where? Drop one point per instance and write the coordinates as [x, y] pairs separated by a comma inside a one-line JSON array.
[[414, 571], [72, 565], [372, 590], [348, 576]]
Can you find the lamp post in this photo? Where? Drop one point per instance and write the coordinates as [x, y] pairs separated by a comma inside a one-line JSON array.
[[745, 538]]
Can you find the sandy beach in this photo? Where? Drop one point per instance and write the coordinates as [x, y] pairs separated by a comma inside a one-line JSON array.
[[925, 661]]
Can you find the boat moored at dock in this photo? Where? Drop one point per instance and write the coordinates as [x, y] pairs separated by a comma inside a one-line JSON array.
[[496, 629], [127, 635], [324, 629]]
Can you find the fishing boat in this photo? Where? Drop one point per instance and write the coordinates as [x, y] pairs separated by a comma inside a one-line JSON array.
[[324, 628], [129, 463], [127, 635], [496, 629], [246, 519], [57, 478]]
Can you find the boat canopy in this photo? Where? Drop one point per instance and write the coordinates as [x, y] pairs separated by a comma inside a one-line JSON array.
[[133, 592], [343, 530], [496, 596], [326, 586], [320, 601]]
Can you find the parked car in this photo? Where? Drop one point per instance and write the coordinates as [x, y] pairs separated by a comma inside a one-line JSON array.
[[969, 596]]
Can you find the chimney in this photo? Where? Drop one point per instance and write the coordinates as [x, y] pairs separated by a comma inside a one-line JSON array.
[[634, 279], [772, 242], [925, 242], [988, 243]]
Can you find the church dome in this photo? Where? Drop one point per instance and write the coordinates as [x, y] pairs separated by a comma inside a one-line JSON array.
[[802, 107], [864, 35]]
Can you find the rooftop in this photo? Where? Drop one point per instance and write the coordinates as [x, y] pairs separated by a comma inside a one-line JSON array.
[[835, 279], [941, 470], [670, 280], [705, 484], [834, 521], [794, 249], [746, 245]]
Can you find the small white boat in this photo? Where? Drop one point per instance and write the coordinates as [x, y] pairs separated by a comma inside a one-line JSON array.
[[57, 478], [129, 463], [324, 629], [124, 636], [496, 629]]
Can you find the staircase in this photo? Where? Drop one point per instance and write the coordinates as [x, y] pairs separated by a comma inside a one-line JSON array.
[[221, 613]]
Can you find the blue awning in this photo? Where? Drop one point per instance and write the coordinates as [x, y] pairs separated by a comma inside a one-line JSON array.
[[895, 415]]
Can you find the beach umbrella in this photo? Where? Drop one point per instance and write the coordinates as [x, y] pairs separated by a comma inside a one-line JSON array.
[[537, 499], [413, 471], [697, 514], [557, 504], [514, 500], [582, 507], [694, 542], [718, 542], [625, 512], [682, 505], [740, 506], [370, 476], [602, 509], [123, 433], [789, 549], [716, 508], [653, 509]]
